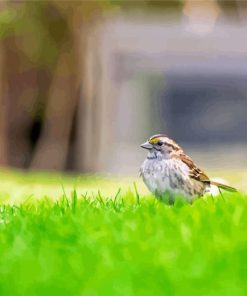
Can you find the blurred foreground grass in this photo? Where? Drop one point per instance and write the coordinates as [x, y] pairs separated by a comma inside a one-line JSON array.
[[97, 240], [16, 186]]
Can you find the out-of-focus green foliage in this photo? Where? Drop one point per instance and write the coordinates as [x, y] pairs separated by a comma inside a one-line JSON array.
[[42, 26], [148, 4], [7, 19], [39, 32]]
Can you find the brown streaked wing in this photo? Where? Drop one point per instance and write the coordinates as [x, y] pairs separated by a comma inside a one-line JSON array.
[[195, 172]]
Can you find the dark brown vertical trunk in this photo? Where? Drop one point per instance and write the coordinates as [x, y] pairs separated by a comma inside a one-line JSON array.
[[3, 94], [52, 148], [21, 79]]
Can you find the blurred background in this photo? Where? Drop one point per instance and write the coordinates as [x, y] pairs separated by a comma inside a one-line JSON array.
[[84, 83]]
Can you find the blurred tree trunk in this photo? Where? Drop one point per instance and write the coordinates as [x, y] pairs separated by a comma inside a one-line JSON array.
[[3, 101], [42, 68], [3, 132], [88, 121], [22, 85], [52, 148]]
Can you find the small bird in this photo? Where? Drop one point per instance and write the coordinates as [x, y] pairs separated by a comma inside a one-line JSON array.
[[168, 171]]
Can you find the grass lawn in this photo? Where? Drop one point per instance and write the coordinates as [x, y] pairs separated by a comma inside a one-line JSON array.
[[83, 236]]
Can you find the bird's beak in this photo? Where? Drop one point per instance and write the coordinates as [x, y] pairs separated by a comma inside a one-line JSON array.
[[147, 145]]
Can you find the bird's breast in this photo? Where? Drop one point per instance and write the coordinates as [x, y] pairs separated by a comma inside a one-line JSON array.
[[165, 175]]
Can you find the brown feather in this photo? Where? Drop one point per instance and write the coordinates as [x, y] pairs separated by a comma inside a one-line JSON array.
[[199, 175], [195, 172], [223, 186]]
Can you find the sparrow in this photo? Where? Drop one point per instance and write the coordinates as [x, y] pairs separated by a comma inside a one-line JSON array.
[[168, 172]]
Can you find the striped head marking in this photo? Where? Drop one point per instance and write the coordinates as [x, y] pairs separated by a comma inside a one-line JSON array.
[[162, 141], [157, 138]]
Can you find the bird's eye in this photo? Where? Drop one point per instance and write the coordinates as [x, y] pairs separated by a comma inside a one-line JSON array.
[[160, 143]]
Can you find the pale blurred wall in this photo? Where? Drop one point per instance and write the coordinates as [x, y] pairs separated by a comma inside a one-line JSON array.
[[133, 62]]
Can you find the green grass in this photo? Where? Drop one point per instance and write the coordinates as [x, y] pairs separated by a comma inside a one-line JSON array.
[[121, 243]]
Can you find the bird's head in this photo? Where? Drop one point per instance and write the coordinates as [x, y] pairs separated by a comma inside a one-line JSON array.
[[161, 144]]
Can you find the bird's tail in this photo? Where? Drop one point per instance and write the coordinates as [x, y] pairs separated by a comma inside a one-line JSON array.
[[223, 186]]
